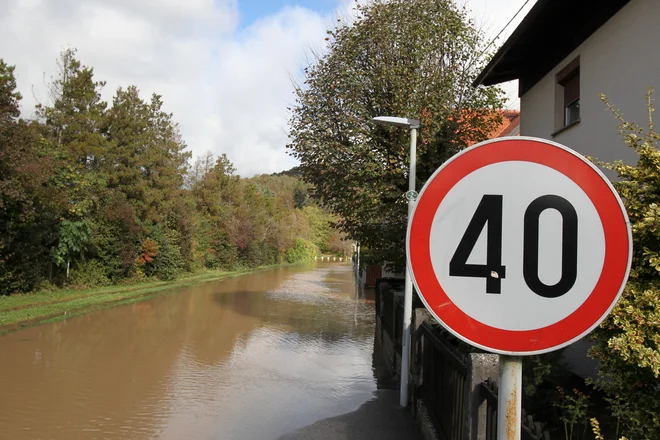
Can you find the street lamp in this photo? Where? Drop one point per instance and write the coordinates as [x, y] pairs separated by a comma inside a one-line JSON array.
[[411, 195], [357, 262]]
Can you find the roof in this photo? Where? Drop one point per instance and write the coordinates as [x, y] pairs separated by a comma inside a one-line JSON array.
[[510, 122], [549, 32]]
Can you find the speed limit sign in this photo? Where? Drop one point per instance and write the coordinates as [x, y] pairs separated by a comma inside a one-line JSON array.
[[519, 246]]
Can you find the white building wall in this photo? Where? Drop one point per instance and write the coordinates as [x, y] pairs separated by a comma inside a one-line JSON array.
[[621, 60]]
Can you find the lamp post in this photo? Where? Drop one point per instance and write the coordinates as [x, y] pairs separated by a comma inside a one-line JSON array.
[[411, 195]]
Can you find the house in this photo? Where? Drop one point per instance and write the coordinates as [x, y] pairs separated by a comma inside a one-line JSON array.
[[565, 54]]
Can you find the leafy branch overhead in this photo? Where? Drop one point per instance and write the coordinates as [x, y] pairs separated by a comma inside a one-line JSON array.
[[407, 58]]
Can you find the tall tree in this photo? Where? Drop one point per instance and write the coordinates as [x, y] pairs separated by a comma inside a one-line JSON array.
[[146, 159], [9, 96], [76, 115], [409, 58], [214, 191], [29, 206], [73, 125]]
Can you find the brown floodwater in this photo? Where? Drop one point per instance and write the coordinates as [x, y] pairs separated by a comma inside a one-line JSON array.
[[253, 357]]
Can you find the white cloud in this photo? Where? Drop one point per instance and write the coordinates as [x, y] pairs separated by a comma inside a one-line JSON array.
[[228, 87], [253, 87]]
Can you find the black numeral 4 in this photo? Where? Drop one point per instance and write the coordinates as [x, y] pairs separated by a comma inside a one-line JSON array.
[[488, 212]]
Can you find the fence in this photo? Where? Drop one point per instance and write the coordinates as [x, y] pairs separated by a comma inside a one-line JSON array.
[[450, 381], [389, 307], [530, 430], [457, 395], [444, 379]]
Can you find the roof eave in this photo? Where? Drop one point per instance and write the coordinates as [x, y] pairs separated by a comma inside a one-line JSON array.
[[483, 77]]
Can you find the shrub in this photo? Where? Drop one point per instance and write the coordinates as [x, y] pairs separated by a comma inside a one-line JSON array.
[[168, 263], [301, 250], [91, 273], [628, 341], [259, 253]]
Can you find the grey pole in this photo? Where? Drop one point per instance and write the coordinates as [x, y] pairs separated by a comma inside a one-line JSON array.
[[408, 292], [411, 195], [357, 266], [509, 398]]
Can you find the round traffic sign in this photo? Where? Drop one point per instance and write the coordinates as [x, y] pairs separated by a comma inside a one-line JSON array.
[[519, 245]]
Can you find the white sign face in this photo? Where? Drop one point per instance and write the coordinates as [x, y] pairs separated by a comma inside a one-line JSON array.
[[519, 246], [503, 310]]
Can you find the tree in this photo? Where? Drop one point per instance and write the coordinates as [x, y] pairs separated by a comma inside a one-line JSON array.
[[214, 191], [300, 197], [73, 239], [106, 194], [412, 58], [145, 158], [213, 184], [628, 341], [29, 206], [72, 129], [198, 170], [76, 115], [9, 96]]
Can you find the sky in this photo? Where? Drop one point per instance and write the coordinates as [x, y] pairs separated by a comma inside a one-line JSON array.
[[225, 68]]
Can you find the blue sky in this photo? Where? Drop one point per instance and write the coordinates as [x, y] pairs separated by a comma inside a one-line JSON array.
[[252, 10]]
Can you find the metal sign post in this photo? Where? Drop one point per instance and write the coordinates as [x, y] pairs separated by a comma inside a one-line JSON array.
[[518, 246], [509, 398]]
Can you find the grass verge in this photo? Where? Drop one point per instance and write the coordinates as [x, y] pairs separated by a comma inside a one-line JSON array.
[[19, 311]]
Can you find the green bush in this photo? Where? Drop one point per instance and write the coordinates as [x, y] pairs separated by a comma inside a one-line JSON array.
[[45, 286], [168, 264], [302, 250], [91, 273], [628, 341], [227, 256], [259, 253]]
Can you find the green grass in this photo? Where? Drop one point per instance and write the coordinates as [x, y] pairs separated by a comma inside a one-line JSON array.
[[18, 311]]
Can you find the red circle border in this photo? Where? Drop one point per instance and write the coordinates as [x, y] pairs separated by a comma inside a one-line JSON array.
[[584, 318]]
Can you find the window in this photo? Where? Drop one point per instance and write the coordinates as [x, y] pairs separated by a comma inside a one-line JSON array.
[[568, 82], [571, 97]]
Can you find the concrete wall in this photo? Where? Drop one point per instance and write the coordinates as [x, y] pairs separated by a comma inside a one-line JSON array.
[[621, 60]]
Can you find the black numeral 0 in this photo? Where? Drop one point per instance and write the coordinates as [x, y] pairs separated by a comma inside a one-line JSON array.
[[489, 212], [569, 240]]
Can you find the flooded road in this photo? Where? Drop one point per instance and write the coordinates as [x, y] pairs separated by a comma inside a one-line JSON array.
[[253, 357]]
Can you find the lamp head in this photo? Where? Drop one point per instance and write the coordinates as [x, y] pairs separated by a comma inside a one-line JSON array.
[[396, 122]]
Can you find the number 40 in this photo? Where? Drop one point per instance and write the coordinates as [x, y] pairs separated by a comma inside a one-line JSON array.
[[490, 211]]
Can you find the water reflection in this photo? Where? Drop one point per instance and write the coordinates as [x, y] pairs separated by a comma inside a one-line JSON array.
[[252, 357]]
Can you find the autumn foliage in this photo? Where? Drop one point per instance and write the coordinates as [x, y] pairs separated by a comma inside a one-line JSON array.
[[93, 193]]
